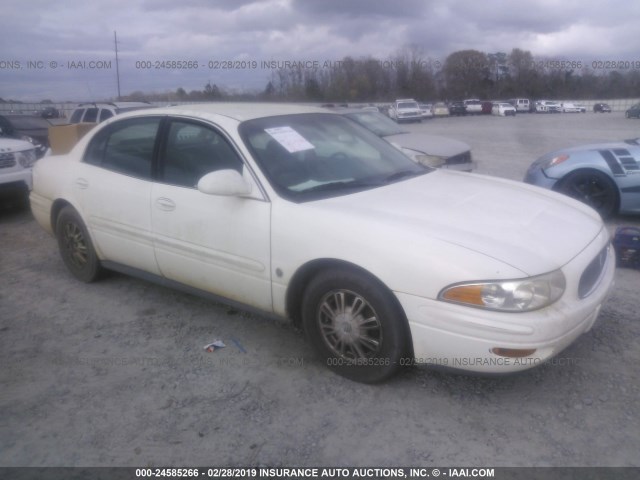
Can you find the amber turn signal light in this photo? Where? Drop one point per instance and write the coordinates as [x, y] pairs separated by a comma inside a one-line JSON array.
[[513, 352]]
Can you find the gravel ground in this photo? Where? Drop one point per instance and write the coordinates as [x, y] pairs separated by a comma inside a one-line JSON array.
[[114, 373]]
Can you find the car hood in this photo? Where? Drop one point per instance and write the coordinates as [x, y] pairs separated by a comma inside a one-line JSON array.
[[529, 228], [429, 144], [11, 145], [600, 146]]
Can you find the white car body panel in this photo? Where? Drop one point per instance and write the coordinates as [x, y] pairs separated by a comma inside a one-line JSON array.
[[121, 229], [214, 243]]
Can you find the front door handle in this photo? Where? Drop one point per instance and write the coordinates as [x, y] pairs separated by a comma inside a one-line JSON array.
[[82, 183], [165, 204]]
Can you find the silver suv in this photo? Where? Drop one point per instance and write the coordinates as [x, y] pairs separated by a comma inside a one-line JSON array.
[[99, 112], [16, 160]]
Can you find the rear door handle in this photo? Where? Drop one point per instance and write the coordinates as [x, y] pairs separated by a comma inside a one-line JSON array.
[[165, 204], [82, 183]]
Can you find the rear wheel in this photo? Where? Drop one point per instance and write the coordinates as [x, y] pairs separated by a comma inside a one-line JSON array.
[[76, 247], [355, 324], [593, 188]]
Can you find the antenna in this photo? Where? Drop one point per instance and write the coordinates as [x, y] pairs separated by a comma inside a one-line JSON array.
[[115, 42]]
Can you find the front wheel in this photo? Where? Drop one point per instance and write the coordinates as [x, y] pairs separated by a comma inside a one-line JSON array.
[[355, 324], [593, 188], [76, 247]]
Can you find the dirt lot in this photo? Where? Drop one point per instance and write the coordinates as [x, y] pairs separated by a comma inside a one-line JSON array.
[[114, 373]]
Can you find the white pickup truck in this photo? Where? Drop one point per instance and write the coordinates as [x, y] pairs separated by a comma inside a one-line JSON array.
[[405, 110]]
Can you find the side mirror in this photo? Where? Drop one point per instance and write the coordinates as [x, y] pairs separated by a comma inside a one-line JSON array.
[[224, 182]]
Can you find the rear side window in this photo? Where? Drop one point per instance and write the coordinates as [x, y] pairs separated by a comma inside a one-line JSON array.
[[125, 147]]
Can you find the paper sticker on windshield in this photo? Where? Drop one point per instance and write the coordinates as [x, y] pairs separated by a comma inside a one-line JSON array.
[[289, 139]]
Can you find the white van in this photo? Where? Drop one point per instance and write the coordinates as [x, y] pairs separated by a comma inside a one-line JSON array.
[[520, 104]]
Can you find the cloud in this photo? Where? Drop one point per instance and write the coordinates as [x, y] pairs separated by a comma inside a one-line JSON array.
[[258, 30]]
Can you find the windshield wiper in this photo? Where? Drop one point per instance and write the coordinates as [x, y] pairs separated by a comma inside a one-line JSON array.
[[402, 174], [341, 185]]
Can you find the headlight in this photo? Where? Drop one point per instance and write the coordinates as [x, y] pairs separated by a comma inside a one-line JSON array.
[[522, 295], [428, 160], [26, 158], [557, 160]]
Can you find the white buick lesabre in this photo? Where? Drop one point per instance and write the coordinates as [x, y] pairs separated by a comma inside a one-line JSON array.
[[304, 214]]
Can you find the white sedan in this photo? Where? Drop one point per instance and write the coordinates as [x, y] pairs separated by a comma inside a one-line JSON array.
[[570, 108], [503, 109], [303, 213]]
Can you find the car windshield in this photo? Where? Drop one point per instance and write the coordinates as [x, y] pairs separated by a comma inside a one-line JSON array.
[[376, 122], [316, 155], [405, 105]]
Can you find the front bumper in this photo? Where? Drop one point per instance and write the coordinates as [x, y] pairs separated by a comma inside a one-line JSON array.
[[460, 337], [536, 176], [20, 178]]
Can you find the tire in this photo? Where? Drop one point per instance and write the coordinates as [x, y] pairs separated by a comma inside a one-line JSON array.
[[76, 248], [593, 188], [367, 346]]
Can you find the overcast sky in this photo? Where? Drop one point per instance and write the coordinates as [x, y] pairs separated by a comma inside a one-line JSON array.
[[53, 34]]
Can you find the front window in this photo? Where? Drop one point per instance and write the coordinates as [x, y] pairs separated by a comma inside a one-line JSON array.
[[407, 105], [192, 150], [312, 156]]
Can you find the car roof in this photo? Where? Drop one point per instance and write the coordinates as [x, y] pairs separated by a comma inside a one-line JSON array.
[[240, 111]]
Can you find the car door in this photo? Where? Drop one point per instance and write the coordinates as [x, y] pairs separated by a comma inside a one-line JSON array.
[[220, 244], [113, 183]]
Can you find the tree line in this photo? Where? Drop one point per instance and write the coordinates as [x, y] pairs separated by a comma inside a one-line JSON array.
[[463, 74], [412, 74]]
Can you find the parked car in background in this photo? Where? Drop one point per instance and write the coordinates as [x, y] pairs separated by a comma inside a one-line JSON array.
[[17, 157], [429, 150], [440, 109], [99, 112], [547, 106], [601, 107], [581, 107], [457, 108], [487, 107], [32, 128], [49, 112], [633, 112], [405, 110], [605, 176], [568, 107], [426, 109], [504, 109], [474, 106], [301, 213], [521, 104]]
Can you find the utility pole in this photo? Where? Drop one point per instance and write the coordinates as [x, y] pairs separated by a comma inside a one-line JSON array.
[[115, 41]]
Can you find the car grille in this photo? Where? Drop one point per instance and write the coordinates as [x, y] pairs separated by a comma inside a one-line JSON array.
[[459, 159], [592, 274], [7, 160]]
